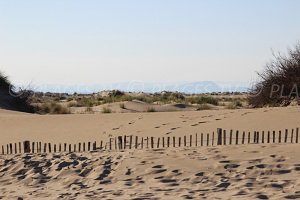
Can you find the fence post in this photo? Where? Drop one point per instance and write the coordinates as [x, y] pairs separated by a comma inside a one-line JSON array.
[[54, 148], [254, 139], [207, 139], [191, 140], [116, 147], [174, 141], [292, 136], [11, 148], [202, 140], [263, 137], [158, 139], [184, 138], [297, 135], [224, 137], [7, 149], [2, 150], [49, 146], [45, 147], [136, 142], [219, 142], [257, 137], [79, 147], [243, 137], [237, 137], [286, 135], [26, 145], [152, 142], [213, 139], [249, 137], [230, 137], [33, 144], [70, 147], [147, 142], [142, 143], [16, 150], [268, 136], [279, 138], [20, 148], [120, 142], [163, 142], [179, 141], [168, 142], [95, 146], [130, 142], [101, 144], [274, 137], [196, 140], [89, 145]]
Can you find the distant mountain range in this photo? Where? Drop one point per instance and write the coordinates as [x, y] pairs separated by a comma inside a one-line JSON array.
[[136, 86]]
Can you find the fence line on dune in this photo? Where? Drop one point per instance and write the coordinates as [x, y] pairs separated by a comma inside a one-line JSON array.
[[221, 137]]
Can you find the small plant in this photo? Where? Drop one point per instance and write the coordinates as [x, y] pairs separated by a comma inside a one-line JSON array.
[[151, 109], [122, 105], [234, 105], [89, 110], [203, 107], [106, 110], [53, 108]]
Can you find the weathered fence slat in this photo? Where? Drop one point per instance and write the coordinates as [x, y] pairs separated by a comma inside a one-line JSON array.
[[237, 137], [224, 138], [219, 142], [243, 137]]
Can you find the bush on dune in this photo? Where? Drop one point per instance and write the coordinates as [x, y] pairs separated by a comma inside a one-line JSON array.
[[19, 101], [279, 82], [53, 108]]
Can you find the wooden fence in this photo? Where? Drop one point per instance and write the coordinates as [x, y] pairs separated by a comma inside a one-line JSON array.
[[221, 137]]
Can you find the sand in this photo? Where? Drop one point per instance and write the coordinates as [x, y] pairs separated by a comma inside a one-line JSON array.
[[17, 127], [232, 172], [223, 172]]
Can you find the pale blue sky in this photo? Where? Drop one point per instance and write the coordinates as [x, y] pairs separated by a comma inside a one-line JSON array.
[[92, 42]]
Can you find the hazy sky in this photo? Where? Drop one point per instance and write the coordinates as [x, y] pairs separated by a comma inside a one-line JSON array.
[[91, 42]]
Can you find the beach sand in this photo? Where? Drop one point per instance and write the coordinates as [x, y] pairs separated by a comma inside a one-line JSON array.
[[250, 171]]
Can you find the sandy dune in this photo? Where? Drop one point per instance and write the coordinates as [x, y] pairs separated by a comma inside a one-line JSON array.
[[236, 172], [16, 127], [249, 171]]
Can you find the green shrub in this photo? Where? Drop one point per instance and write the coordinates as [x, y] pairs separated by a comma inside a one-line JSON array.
[[203, 100], [53, 108], [203, 107], [106, 110], [234, 105], [89, 109]]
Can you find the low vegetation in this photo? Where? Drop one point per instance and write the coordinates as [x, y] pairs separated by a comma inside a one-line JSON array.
[[53, 108], [106, 110], [279, 82]]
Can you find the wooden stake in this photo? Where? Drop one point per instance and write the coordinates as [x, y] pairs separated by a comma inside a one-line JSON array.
[[136, 142], [237, 137], [152, 142], [207, 139], [219, 142], [26, 145]]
